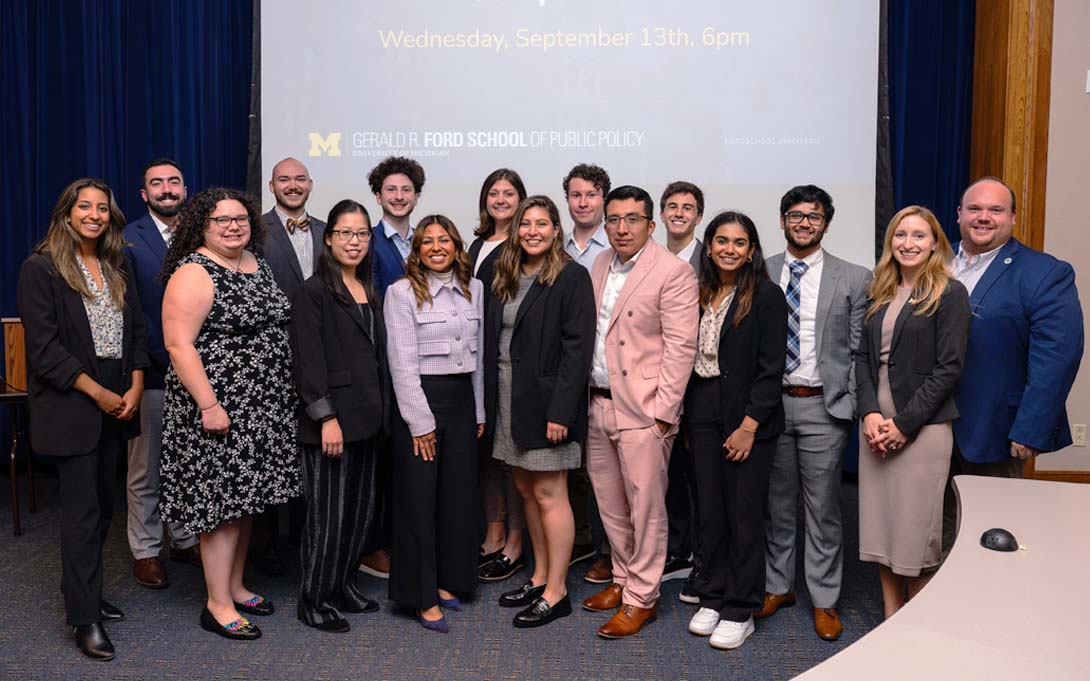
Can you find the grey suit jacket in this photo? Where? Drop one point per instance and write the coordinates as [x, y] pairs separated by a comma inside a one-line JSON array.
[[278, 252], [696, 258], [841, 305]]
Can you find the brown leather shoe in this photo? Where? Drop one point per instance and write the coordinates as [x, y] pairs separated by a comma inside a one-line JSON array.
[[774, 602], [377, 564], [827, 623], [606, 599], [601, 572], [191, 555], [149, 573], [628, 620]]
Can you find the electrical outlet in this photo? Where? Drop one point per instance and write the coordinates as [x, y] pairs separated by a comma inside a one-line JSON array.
[[1078, 434]]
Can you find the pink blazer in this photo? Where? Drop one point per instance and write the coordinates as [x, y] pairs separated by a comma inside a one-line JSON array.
[[651, 340]]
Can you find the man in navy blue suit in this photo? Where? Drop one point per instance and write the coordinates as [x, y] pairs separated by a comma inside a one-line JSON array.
[[146, 240], [396, 183], [1025, 345]]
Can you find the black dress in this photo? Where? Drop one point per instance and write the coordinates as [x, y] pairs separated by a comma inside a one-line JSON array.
[[211, 479]]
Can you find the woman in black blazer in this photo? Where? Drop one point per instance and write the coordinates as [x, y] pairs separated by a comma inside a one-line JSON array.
[[538, 345], [909, 360], [734, 413], [86, 351], [338, 342]]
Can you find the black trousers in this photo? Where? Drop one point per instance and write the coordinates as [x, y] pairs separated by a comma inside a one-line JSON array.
[[435, 503], [87, 504], [681, 510], [730, 498], [340, 508]]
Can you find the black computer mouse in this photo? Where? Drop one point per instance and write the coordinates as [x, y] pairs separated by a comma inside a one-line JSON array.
[[998, 539]]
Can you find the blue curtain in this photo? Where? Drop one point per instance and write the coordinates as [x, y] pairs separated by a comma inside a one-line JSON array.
[[99, 88], [931, 100]]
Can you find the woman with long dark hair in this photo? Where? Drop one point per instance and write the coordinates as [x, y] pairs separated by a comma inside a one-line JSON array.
[[909, 360], [86, 351], [539, 340], [338, 342], [734, 414], [435, 314]]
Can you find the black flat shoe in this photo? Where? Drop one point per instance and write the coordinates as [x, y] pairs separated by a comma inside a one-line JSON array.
[[239, 630], [541, 613], [256, 606], [368, 606], [501, 568], [484, 559], [110, 613], [93, 641], [522, 596], [333, 626]]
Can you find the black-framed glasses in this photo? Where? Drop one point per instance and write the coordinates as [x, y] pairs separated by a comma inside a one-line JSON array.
[[795, 217], [224, 221], [363, 235], [630, 219]]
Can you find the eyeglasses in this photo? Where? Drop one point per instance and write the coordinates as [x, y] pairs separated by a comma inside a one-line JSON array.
[[630, 219], [795, 217], [363, 235], [224, 221]]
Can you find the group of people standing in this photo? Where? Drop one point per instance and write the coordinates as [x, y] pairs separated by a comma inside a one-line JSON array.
[[411, 390]]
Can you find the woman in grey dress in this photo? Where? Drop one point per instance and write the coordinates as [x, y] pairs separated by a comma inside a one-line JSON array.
[[909, 360], [539, 336]]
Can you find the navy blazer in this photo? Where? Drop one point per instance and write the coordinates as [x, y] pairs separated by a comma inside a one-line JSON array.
[[386, 259], [1025, 346], [925, 360], [59, 347], [279, 253], [145, 251]]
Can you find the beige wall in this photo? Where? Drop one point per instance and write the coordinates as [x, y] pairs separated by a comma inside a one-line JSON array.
[[1067, 197]]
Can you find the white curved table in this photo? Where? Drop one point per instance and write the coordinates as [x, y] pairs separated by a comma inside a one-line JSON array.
[[987, 614]]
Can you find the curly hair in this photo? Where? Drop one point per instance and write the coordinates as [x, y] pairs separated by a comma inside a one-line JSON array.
[[61, 243], [189, 233], [415, 270], [508, 267], [596, 175], [396, 165]]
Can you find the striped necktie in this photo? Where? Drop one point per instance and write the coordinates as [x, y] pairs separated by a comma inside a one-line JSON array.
[[794, 295]]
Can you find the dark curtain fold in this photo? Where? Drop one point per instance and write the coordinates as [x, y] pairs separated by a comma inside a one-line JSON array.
[[100, 87], [931, 101]]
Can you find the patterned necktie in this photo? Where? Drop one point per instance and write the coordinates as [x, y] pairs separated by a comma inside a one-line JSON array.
[[793, 295], [302, 224]]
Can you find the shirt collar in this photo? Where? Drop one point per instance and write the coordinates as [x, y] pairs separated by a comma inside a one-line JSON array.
[[284, 217], [964, 257], [163, 228], [617, 268], [811, 260], [599, 237], [435, 284], [390, 232]]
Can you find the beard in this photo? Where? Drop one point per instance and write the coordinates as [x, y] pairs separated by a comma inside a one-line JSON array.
[[813, 241], [166, 211]]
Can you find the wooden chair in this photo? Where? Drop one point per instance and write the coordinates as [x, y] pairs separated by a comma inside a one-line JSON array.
[[13, 394]]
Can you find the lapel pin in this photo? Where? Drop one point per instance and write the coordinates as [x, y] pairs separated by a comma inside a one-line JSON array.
[[1007, 261]]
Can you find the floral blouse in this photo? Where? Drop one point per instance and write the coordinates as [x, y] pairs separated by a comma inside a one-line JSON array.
[[106, 319]]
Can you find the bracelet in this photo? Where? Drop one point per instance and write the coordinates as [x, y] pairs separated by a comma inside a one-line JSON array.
[[211, 406], [751, 432]]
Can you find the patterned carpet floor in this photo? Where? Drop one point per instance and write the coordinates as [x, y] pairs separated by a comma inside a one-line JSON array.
[[161, 637]]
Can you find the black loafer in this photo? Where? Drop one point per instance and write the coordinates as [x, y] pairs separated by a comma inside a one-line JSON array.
[[367, 606], [501, 568], [239, 630], [109, 613], [338, 626], [484, 559], [541, 613], [93, 641], [256, 606], [522, 596]]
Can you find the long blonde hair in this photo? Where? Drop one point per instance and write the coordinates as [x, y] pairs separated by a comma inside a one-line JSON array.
[[415, 270], [933, 277], [62, 243], [505, 284]]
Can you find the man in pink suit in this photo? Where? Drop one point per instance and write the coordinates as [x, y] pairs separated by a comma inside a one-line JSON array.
[[645, 346]]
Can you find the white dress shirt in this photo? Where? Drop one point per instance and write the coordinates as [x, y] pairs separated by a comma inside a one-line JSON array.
[[809, 287], [164, 230], [300, 243], [618, 275], [968, 269], [687, 253]]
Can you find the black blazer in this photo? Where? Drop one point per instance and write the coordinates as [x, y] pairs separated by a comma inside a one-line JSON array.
[[59, 347], [475, 253], [278, 252], [751, 362], [552, 346], [925, 361], [340, 369]]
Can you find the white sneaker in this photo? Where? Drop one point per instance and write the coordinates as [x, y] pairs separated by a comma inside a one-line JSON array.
[[729, 635], [703, 622]]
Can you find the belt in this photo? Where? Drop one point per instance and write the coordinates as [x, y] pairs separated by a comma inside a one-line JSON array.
[[601, 392], [802, 390]]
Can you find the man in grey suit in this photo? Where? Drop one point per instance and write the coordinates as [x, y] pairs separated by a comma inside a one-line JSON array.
[[293, 242], [826, 299]]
